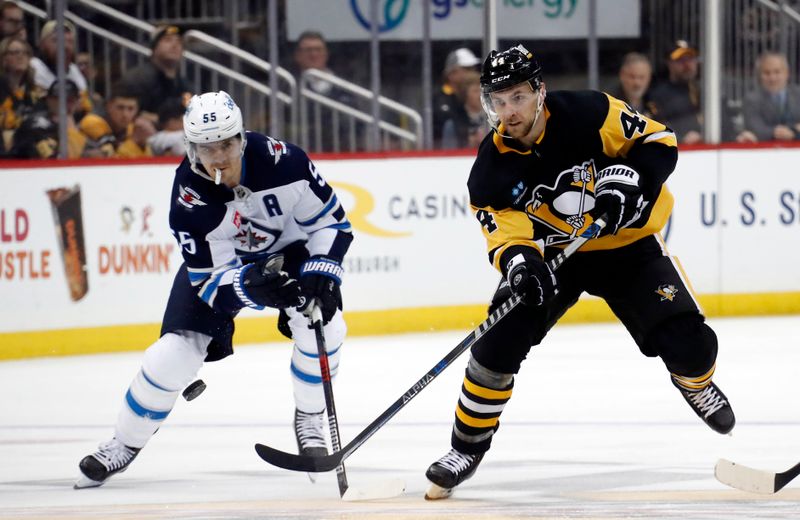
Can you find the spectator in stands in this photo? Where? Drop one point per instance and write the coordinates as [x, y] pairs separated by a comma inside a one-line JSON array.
[[159, 79], [170, 137], [457, 63], [130, 130], [85, 63], [676, 102], [311, 52], [44, 65], [773, 111], [18, 93], [635, 75], [12, 21], [98, 140], [467, 125], [37, 135]]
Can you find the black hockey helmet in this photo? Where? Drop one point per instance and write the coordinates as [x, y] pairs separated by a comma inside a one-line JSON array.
[[503, 70]]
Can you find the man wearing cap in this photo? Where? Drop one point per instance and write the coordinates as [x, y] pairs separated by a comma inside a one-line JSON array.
[[676, 102], [44, 65], [445, 102], [159, 79]]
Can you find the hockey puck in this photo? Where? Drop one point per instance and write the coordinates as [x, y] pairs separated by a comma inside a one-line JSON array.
[[194, 389]]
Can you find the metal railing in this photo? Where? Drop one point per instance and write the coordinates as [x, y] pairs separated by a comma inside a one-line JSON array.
[[222, 66], [323, 118]]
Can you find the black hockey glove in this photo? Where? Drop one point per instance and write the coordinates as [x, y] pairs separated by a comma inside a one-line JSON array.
[[530, 278], [617, 193], [263, 284], [320, 281]]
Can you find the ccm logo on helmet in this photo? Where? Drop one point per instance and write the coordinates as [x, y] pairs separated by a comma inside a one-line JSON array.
[[501, 78]]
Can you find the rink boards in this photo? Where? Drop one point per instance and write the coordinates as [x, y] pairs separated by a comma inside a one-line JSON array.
[[87, 258]]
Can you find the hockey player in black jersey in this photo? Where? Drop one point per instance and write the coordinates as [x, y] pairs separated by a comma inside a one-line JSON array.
[[258, 227], [551, 164]]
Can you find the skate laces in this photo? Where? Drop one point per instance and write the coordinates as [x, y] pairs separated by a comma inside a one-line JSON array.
[[309, 429], [708, 400], [456, 461], [114, 455]]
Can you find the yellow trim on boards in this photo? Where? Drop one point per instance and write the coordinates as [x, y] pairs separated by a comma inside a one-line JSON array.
[[122, 338]]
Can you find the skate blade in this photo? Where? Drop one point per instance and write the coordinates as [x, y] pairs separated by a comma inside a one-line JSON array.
[[84, 482], [375, 491], [312, 477], [436, 492]]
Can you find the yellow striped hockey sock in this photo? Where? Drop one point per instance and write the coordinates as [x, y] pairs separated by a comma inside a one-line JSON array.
[[694, 384], [478, 414]]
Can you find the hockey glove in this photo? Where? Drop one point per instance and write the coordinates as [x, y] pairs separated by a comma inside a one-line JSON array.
[[530, 278], [617, 194], [262, 284], [320, 279]]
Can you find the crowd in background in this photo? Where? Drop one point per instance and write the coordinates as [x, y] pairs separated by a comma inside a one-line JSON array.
[[142, 115]]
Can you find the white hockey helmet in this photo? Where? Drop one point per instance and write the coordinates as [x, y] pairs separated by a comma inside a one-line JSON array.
[[211, 117]]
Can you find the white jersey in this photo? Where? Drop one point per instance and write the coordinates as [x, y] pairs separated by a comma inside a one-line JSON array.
[[281, 200]]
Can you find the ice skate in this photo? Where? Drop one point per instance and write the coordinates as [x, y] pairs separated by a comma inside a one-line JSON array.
[[449, 471], [310, 433], [711, 405], [111, 457]]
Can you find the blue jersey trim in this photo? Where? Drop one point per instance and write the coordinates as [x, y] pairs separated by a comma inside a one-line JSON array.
[[211, 288], [332, 204]]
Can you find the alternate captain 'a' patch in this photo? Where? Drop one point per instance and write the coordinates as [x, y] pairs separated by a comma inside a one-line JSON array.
[[188, 197], [667, 292], [253, 238]]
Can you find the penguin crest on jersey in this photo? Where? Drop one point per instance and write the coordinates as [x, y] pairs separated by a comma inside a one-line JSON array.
[[574, 189]]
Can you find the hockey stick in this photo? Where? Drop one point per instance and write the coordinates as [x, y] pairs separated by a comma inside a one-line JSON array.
[[295, 462], [753, 480], [327, 387]]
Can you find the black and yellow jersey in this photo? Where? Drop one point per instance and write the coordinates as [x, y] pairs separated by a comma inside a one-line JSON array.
[[540, 197]]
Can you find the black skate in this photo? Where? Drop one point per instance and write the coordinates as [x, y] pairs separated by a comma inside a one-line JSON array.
[[111, 457], [449, 471], [711, 405], [310, 434]]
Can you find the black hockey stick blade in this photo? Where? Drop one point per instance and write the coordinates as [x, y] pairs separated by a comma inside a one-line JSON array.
[[296, 462], [308, 464], [753, 480]]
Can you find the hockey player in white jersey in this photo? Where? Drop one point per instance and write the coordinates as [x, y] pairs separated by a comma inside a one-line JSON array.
[[240, 200]]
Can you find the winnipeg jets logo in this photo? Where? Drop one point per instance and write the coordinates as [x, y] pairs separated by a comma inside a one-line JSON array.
[[254, 238], [667, 292], [188, 197], [276, 148]]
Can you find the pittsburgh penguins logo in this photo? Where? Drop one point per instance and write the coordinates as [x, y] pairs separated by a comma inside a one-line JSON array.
[[667, 292]]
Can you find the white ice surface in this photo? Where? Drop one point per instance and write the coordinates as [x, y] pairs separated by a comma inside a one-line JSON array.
[[594, 430]]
